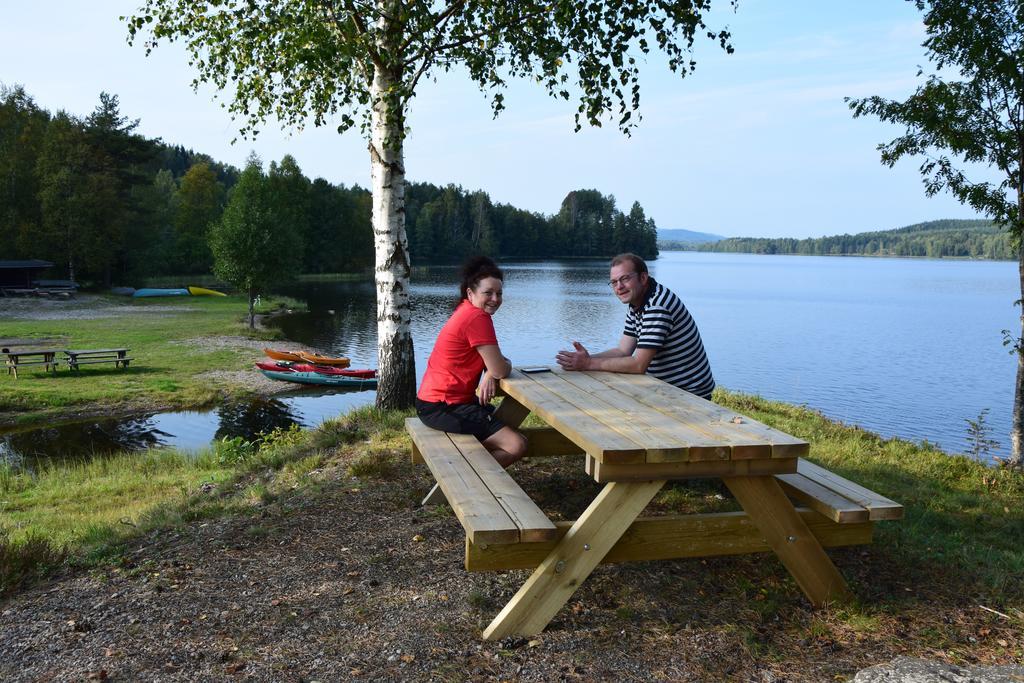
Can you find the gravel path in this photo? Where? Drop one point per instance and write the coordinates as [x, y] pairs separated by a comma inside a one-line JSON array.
[[80, 307]]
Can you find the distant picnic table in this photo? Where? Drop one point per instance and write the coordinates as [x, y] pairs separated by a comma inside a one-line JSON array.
[[75, 357], [16, 359]]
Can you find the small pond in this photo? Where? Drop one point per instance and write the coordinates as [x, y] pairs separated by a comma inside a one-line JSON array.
[[186, 430]]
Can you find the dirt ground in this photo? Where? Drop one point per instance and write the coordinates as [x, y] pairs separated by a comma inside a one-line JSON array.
[[81, 307], [350, 579]]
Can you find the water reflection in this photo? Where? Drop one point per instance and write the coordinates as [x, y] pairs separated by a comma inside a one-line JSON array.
[[248, 418], [189, 430], [79, 440]]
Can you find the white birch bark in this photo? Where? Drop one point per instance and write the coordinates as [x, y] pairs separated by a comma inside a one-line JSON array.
[[396, 363], [1017, 428]]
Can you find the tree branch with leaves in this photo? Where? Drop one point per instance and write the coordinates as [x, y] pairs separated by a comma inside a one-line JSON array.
[[359, 62], [970, 120]]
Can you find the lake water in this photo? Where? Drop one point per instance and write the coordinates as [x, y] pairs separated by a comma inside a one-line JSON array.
[[902, 347]]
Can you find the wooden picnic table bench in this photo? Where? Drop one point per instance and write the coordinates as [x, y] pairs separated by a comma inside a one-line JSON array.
[[634, 433], [76, 357], [27, 357], [490, 504]]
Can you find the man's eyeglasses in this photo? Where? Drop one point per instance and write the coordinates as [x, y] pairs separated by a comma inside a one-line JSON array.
[[621, 280]]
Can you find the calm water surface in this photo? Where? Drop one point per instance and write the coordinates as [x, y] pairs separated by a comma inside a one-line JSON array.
[[909, 348], [903, 347]]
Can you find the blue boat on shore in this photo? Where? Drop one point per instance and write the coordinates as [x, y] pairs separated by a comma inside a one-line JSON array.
[[149, 291], [318, 378], [177, 291]]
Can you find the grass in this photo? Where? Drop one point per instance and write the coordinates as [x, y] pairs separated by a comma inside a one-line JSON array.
[[169, 358], [959, 515], [84, 511]]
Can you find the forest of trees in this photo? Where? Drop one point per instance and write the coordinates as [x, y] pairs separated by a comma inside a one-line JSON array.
[[935, 239], [109, 206]]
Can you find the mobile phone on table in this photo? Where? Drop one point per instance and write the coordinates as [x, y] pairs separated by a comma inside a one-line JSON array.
[[535, 368]]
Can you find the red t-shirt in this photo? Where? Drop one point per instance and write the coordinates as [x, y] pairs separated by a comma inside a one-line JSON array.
[[454, 366]]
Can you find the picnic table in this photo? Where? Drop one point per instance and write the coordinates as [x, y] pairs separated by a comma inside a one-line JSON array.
[[16, 359], [634, 433], [76, 357]]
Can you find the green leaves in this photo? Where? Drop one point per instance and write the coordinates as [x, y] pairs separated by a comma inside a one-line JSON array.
[[976, 119], [311, 60]]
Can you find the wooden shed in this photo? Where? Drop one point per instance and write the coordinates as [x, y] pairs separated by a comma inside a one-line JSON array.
[[21, 274]]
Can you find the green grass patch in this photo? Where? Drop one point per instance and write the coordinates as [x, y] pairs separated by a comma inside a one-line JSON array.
[[85, 510], [165, 337], [960, 516]]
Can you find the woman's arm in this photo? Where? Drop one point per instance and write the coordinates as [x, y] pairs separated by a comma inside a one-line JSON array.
[[497, 367]]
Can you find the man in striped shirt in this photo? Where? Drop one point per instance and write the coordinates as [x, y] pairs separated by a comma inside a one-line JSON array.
[[660, 337]]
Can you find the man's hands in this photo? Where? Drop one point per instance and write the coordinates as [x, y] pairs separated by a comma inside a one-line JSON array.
[[574, 360]]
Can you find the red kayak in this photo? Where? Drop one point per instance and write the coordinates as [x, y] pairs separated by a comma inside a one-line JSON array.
[[327, 370], [273, 367]]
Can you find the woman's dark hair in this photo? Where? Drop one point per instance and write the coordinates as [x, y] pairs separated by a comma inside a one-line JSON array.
[[475, 270]]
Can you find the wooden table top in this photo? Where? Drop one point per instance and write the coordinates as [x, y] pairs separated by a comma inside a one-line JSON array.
[[634, 419], [31, 352], [86, 352]]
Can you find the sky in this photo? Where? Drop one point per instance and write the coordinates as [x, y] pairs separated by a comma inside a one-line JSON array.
[[758, 143]]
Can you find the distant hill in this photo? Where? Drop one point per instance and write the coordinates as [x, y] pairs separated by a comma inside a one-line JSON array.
[[978, 239], [688, 236]]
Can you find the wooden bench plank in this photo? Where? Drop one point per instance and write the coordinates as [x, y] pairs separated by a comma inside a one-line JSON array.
[[76, 352], [672, 537], [878, 506], [821, 499], [491, 506], [483, 521], [533, 524]]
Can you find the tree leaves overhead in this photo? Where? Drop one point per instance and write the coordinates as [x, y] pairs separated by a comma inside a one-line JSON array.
[[302, 61], [954, 123], [977, 118]]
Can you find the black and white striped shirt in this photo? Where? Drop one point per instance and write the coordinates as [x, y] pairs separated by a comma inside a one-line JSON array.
[[663, 323]]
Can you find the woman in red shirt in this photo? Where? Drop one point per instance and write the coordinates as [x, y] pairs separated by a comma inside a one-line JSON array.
[[467, 346]]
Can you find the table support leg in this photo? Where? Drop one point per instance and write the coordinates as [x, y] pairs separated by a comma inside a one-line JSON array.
[[511, 412], [800, 552], [435, 497], [572, 559]]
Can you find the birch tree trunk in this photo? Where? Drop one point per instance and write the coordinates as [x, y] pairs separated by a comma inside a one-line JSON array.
[[1017, 428], [396, 363]]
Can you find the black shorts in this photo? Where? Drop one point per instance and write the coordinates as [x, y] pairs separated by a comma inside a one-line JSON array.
[[460, 418]]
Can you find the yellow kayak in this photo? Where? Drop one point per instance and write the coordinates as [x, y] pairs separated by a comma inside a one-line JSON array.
[[278, 354], [202, 291], [317, 359]]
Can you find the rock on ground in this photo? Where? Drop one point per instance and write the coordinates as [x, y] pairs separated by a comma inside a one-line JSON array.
[[911, 670]]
